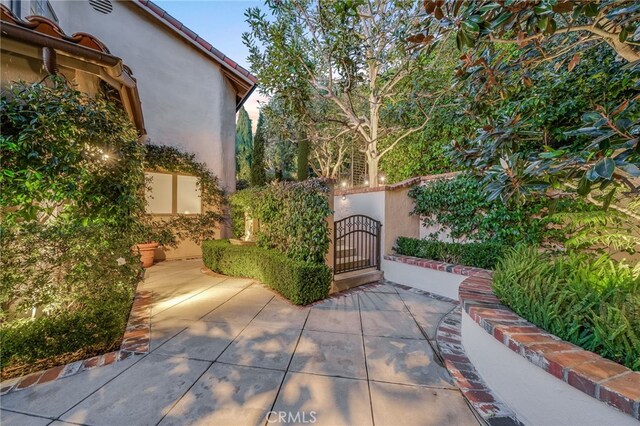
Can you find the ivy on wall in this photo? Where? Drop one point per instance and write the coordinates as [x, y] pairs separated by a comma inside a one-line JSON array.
[[461, 208], [292, 217]]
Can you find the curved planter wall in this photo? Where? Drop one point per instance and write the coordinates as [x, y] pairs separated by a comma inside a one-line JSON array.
[[539, 376]]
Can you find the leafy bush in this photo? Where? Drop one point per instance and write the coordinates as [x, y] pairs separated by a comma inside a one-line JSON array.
[[591, 302], [72, 179], [292, 217], [300, 282], [481, 255]]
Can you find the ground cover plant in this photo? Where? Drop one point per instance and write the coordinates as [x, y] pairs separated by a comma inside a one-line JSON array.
[[300, 282], [590, 301], [71, 210]]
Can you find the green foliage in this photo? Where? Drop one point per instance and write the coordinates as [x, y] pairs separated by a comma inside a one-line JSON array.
[[589, 301], [420, 155], [552, 107], [241, 202], [529, 23], [423, 153], [304, 148], [258, 174], [616, 229], [196, 227], [292, 217], [66, 155], [72, 207], [480, 255], [244, 146], [300, 282], [461, 208], [94, 327]]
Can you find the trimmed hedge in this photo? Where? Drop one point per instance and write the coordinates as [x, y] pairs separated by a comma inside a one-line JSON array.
[[480, 255], [300, 282]]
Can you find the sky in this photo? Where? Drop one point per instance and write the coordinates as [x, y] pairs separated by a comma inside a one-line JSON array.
[[221, 23]]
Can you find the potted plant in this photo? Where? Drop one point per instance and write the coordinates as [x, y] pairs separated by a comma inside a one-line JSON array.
[[154, 235]]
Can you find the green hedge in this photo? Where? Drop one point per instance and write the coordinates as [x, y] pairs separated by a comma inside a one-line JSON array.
[[589, 301], [480, 255], [292, 217], [300, 282]]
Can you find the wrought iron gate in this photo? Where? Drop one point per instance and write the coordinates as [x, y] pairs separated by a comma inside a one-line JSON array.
[[356, 244]]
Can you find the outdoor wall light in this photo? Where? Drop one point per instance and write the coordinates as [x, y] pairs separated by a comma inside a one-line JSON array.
[[344, 184], [382, 178], [366, 181]]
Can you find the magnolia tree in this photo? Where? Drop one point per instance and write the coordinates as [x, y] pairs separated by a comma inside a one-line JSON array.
[[352, 54], [514, 38]]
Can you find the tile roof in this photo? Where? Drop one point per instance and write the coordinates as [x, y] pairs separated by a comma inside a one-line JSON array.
[[49, 28], [179, 27]]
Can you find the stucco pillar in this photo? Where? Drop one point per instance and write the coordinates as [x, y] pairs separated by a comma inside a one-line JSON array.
[[330, 220], [399, 220]]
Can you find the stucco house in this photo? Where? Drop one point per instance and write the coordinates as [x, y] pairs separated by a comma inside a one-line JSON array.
[[185, 92]]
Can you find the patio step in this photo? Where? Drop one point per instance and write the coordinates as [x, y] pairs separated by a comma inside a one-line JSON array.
[[345, 251], [351, 262], [347, 280]]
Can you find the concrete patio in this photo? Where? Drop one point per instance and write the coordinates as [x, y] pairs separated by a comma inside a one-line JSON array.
[[228, 351]]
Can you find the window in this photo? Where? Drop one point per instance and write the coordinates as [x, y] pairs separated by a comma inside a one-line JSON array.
[[188, 195], [14, 5], [43, 8], [173, 194]]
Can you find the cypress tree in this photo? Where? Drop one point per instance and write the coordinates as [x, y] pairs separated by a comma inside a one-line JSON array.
[[244, 145], [258, 174]]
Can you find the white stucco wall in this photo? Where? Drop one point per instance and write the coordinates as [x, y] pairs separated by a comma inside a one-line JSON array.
[[371, 204], [186, 100], [437, 282], [538, 397]]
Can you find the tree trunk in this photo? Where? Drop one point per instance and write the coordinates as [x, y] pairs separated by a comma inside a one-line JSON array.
[[304, 147], [372, 170]]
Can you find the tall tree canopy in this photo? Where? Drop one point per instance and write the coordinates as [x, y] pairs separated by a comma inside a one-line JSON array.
[[353, 54], [244, 146]]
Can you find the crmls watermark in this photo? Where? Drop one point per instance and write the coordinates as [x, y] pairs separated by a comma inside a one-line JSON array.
[[285, 417]]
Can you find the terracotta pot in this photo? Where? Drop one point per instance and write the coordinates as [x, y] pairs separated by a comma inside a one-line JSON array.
[[147, 253]]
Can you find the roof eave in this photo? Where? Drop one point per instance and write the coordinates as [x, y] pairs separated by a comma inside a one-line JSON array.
[[231, 69]]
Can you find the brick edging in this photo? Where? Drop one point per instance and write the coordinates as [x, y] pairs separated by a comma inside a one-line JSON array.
[[439, 266], [602, 379], [468, 380], [135, 341]]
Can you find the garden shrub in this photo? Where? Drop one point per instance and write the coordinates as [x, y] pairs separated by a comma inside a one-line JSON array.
[[480, 255], [593, 302], [72, 207], [300, 282], [292, 217]]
